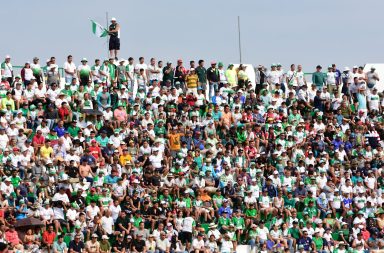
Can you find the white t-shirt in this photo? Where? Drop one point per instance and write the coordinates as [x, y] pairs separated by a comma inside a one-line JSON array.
[[331, 78], [141, 66], [107, 224], [300, 78], [262, 233], [153, 76], [71, 67], [188, 224], [92, 211], [115, 211], [274, 77], [374, 101], [291, 76]]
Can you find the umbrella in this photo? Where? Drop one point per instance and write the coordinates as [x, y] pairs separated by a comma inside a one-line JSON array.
[[91, 112], [29, 222]]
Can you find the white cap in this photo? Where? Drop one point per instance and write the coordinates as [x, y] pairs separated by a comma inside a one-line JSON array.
[[84, 59], [346, 69], [7, 56], [122, 60], [113, 19], [48, 161], [192, 69], [275, 172], [355, 67]]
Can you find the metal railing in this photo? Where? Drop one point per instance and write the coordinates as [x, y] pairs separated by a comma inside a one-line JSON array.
[[17, 69]]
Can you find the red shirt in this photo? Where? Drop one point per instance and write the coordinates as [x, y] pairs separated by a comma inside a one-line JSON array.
[[38, 139], [12, 237], [95, 151], [49, 237], [63, 112]]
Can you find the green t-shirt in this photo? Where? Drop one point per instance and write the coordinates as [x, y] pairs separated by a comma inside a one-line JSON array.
[[252, 233], [318, 78], [73, 131], [15, 181], [251, 212], [289, 203], [102, 141], [218, 200], [238, 222], [312, 211], [223, 221], [36, 69], [168, 76], [201, 74], [84, 71], [294, 232], [137, 221], [112, 71], [308, 199], [90, 197], [318, 241], [68, 93]]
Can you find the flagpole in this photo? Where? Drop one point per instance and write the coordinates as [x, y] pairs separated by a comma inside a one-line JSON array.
[[106, 26], [238, 28]]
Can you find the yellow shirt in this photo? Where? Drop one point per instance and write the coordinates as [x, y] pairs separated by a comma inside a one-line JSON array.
[[5, 101], [174, 141], [46, 152], [192, 81], [124, 159]]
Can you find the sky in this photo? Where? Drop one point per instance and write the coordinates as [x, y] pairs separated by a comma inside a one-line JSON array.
[[307, 32]]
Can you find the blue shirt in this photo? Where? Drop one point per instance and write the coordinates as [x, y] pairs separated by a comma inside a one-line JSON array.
[[89, 158], [306, 242], [227, 209], [111, 180], [60, 131]]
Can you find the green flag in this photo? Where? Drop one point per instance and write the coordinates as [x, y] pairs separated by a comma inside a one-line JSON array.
[[98, 30]]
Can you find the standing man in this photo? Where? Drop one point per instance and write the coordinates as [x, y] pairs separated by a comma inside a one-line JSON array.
[[231, 76], [291, 76], [300, 76], [318, 78], [37, 71], [180, 73], [372, 77], [168, 73], [84, 72], [7, 69], [70, 69], [213, 79], [153, 71], [191, 80], [114, 39], [95, 72], [260, 78], [202, 75]]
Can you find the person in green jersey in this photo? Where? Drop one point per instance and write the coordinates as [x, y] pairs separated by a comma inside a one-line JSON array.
[[317, 242], [112, 71], [37, 70], [84, 72], [318, 78]]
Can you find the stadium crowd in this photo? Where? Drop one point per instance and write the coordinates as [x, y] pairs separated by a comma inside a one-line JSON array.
[[125, 156]]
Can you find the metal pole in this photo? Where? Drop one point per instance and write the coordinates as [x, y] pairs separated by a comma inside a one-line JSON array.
[[106, 26], [238, 27]]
